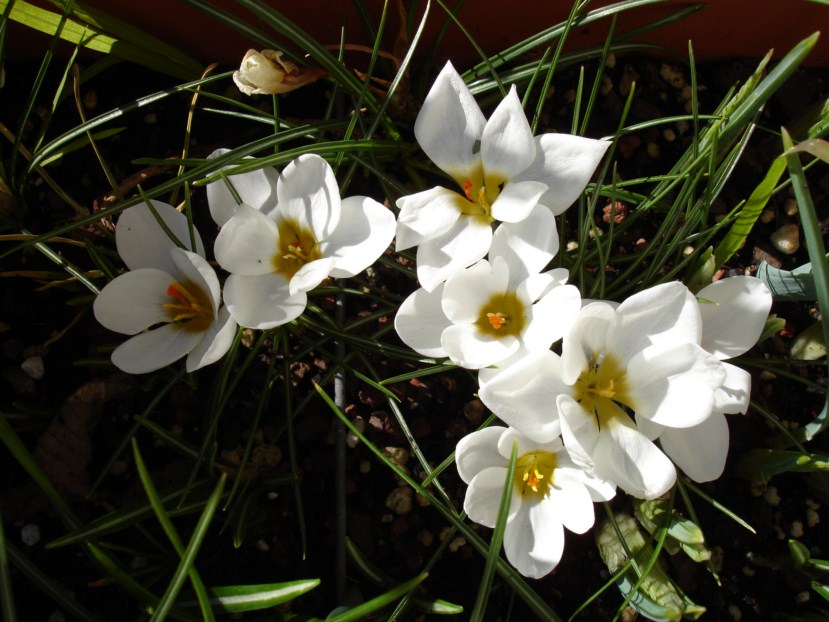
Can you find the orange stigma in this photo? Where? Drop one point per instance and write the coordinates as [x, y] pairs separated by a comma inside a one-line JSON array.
[[497, 320]]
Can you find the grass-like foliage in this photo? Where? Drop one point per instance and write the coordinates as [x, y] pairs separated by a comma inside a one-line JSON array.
[[257, 483]]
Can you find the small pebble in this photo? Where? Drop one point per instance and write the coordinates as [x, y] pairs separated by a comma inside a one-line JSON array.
[[796, 529], [610, 61], [365, 466], [34, 368], [735, 613], [30, 534], [790, 208], [786, 239], [669, 135], [399, 500], [398, 455], [456, 543], [607, 85], [572, 246], [262, 546], [812, 518], [767, 216], [802, 598], [771, 496], [425, 537]]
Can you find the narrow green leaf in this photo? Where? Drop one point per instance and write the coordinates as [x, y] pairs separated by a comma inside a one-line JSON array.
[[240, 598], [189, 557], [797, 284], [6, 592], [813, 146], [361, 612], [817, 252], [750, 212], [170, 530], [485, 585]]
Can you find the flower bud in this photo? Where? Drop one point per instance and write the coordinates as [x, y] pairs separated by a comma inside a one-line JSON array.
[[266, 72]]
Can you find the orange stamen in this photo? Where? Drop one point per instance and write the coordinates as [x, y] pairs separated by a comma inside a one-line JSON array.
[[497, 320]]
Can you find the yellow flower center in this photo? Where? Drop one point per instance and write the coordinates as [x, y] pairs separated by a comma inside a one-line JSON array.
[[602, 387], [191, 309], [501, 315], [296, 247], [534, 473], [481, 193]]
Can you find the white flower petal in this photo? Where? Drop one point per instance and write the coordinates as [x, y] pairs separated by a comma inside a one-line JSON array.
[[516, 200], [700, 451], [565, 164], [468, 347], [523, 395], [626, 456], [141, 241], [734, 312], [579, 432], [255, 188], [534, 540], [594, 327], [528, 246], [134, 301], [262, 301], [310, 275], [215, 343], [507, 145], [666, 313], [194, 269], [427, 215], [308, 195], [571, 501], [420, 321], [478, 451], [464, 244], [552, 317], [734, 394], [526, 445], [155, 349], [365, 231], [674, 386], [450, 124], [466, 291], [247, 243], [483, 496]]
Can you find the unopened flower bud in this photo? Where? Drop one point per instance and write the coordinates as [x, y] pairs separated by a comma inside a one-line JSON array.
[[267, 72]]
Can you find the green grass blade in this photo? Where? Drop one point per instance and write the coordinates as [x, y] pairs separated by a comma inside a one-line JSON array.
[[6, 592], [485, 586], [51, 588], [820, 270], [362, 612], [750, 212], [234, 599], [169, 529], [189, 557]]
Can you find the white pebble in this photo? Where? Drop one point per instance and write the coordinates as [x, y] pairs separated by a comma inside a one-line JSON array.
[[771, 496], [786, 239], [796, 530], [30, 534], [33, 366]]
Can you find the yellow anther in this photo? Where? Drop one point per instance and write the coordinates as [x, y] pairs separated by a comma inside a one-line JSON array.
[[187, 306], [533, 478]]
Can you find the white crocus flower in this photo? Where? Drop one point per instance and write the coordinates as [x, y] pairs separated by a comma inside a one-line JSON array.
[[734, 312], [641, 358], [276, 256], [486, 313], [170, 298], [549, 492], [500, 170], [267, 73]]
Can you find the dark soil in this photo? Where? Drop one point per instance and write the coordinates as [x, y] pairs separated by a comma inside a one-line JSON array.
[[75, 416]]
